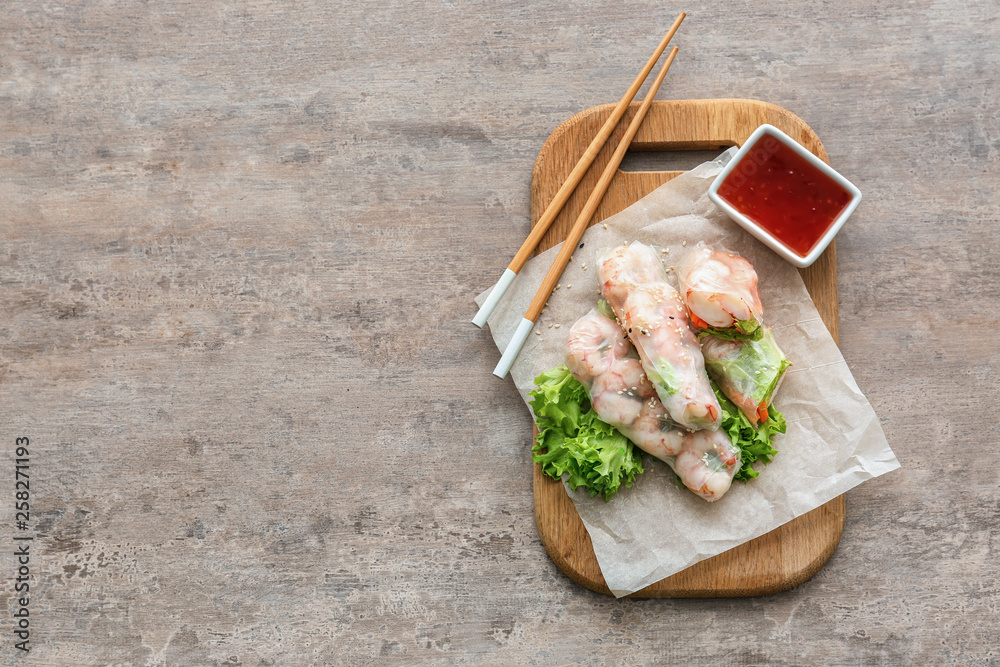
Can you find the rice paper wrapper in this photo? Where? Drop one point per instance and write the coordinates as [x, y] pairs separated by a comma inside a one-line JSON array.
[[834, 440]]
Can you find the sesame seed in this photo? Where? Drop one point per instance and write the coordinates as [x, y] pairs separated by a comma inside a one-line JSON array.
[[538, 333], [664, 251], [557, 326], [550, 325], [683, 243], [568, 286], [558, 286], [605, 225]]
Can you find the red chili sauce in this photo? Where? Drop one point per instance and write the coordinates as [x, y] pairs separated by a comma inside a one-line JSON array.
[[782, 192]]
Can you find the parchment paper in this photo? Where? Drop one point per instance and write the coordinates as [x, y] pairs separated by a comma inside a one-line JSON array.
[[834, 441]]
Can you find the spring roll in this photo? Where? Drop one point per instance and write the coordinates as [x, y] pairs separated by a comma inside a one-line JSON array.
[[719, 289], [650, 310], [600, 356], [747, 371]]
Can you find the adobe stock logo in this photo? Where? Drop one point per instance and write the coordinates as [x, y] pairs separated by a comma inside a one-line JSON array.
[[753, 160]]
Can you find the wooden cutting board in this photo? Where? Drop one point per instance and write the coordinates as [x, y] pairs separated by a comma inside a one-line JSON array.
[[784, 557]]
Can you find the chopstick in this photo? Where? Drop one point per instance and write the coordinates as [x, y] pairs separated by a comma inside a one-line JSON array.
[[566, 189], [580, 226]]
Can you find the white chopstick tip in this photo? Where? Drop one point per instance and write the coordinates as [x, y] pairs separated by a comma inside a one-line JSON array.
[[513, 348], [494, 297]]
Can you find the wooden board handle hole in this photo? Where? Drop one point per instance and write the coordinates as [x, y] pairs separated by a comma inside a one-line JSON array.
[[671, 159]]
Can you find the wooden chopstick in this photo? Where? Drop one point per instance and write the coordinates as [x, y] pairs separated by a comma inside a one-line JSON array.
[[580, 226], [569, 185]]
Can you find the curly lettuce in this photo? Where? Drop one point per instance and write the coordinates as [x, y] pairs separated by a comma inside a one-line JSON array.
[[755, 444], [573, 441], [741, 330], [575, 444]]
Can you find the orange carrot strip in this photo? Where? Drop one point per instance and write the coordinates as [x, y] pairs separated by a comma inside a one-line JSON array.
[[698, 322], [762, 412]]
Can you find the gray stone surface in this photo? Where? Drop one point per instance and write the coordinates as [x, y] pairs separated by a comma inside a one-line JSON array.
[[239, 248]]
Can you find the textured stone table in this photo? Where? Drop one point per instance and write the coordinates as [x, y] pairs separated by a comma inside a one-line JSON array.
[[239, 247]]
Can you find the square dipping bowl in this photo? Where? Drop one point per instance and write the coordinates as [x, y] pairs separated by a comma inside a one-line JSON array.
[[788, 198]]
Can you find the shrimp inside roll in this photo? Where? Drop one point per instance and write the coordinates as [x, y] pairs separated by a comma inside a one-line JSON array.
[[599, 355], [650, 310]]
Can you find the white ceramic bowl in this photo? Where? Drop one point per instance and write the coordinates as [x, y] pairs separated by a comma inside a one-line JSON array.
[[762, 234]]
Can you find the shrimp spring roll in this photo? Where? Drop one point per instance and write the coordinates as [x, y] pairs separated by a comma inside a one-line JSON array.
[[599, 355], [719, 289], [748, 371], [650, 310]]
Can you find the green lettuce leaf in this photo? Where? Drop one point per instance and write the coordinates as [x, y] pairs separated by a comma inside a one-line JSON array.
[[754, 443], [665, 376], [604, 308], [748, 370], [741, 330], [773, 386], [573, 441]]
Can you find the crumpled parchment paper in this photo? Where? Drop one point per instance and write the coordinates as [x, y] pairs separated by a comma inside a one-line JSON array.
[[834, 441]]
